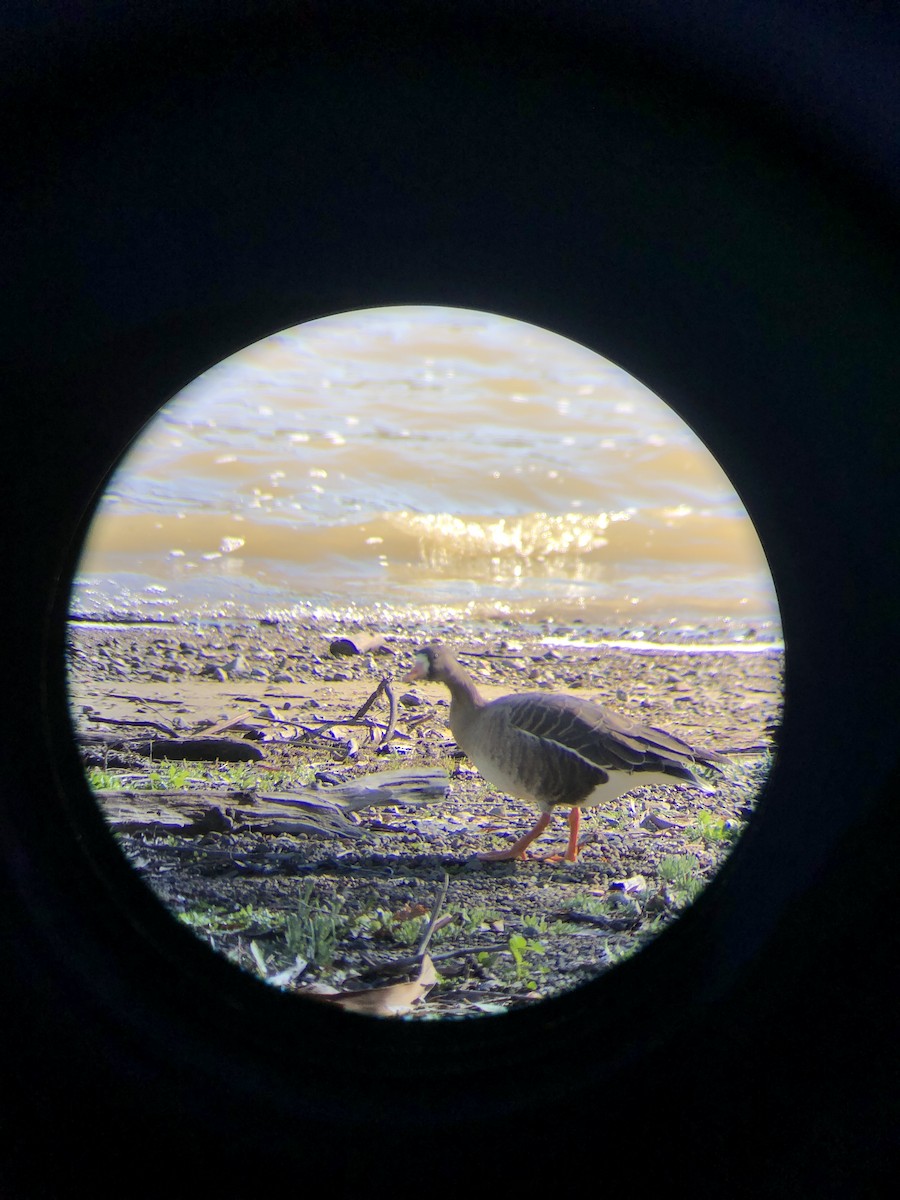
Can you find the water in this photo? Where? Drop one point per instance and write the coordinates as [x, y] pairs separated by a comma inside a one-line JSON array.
[[416, 460]]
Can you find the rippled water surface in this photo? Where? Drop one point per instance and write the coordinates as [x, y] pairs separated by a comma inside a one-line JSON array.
[[421, 458]]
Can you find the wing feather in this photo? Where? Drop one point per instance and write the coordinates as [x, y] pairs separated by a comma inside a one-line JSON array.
[[600, 737]]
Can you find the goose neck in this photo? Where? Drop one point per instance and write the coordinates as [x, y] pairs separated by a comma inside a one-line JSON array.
[[463, 693]]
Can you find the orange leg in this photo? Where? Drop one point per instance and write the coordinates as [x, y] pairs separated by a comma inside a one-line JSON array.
[[574, 825], [517, 849], [571, 854]]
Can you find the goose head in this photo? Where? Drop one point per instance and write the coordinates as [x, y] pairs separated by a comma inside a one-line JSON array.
[[434, 664]]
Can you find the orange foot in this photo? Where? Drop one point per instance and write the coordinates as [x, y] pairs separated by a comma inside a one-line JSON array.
[[501, 855], [518, 849], [508, 855]]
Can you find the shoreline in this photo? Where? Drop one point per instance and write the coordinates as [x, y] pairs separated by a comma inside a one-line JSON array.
[[661, 634], [211, 667]]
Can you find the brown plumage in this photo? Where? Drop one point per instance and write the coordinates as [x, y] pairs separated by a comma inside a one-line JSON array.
[[556, 749]]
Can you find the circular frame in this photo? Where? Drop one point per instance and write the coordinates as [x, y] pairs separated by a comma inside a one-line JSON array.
[[581, 176]]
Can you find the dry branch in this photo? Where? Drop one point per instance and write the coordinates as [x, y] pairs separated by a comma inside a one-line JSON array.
[[310, 810]]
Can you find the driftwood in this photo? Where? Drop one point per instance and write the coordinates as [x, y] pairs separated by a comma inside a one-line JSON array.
[[313, 810], [204, 744], [199, 749], [193, 749]]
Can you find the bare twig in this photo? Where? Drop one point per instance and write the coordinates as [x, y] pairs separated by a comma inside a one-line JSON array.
[[435, 913], [513, 656], [364, 708], [212, 730], [325, 724], [166, 729], [392, 714], [404, 964], [420, 718]]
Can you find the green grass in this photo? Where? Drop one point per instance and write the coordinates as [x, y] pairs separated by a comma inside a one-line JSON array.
[[217, 919], [182, 775], [314, 930], [382, 925], [171, 776], [544, 925], [476, 918], [682, 873], [103, 781]]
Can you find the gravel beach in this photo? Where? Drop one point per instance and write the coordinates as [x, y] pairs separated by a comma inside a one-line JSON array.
[[512, 932]]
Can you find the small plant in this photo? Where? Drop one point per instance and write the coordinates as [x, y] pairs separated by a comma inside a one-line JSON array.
[[681, 871], [535, 925], [711, 828], [407, 933], [615, 952], [216, 919], [103, 781], [170, 776], [595, 906], [375, 923], [294, 777], [381, 924], [312, 933], [477, 918], [238, 775], [520, 947]]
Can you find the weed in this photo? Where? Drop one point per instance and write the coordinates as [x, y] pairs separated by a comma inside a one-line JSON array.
[[520, 947], [712, 828], [101, 780], [179, 776], [476, 918], [681, 871], [239, 775], [407, 933], [537, 924], [216, 919], [313, 931], [617, 952], [595, 905], [282, 780], [170, 776], [379, 923]]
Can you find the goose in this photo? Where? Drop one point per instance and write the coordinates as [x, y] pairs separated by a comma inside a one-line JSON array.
[[554, 749]]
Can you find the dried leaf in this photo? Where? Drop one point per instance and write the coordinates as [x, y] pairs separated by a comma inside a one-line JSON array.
[[409, 911], [391, 1000]]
